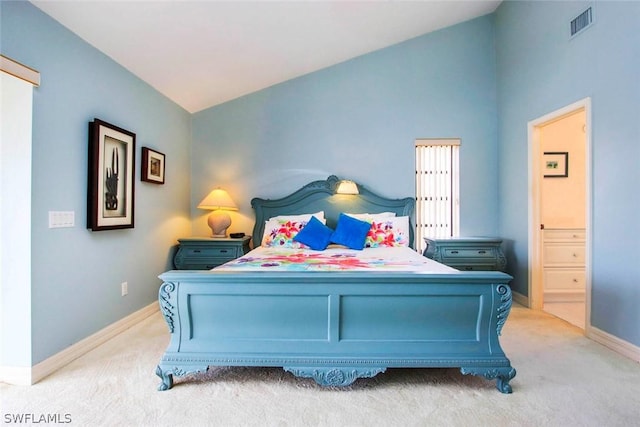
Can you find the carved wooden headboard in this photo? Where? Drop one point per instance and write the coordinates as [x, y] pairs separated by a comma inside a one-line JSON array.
[[321, 196]]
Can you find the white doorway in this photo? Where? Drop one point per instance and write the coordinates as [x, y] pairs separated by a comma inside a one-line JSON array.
[[559, 213], [16, 102]]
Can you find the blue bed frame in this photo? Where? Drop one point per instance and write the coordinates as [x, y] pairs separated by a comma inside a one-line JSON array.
[[334, 327]]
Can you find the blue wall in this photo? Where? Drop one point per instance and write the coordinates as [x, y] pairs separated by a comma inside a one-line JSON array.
[[540, 69], [76, 273], [359, 120]]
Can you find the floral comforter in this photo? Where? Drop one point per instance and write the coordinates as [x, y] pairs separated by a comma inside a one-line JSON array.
[[335, 259]]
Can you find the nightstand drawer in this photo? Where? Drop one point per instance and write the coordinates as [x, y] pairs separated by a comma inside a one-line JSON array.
[[224, 252], [201, 253], [474, 253]]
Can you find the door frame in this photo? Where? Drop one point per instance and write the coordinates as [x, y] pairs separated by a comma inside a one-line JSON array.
[[16, 97], [536, 295]]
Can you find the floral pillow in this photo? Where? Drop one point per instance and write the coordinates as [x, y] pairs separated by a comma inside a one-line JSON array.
[[388, 232], [279, 231]]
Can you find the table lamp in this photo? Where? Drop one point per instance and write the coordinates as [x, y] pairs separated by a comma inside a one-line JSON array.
[[219, 220]]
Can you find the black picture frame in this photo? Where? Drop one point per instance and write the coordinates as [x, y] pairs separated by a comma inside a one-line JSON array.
[[152, 166], [555, 164], [111, 173]]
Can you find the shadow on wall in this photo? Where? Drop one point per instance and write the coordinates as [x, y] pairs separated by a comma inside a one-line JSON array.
[[276, 184], [519, 270]]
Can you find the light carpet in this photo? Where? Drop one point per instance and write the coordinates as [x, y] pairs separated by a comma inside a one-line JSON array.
[[563, 379]]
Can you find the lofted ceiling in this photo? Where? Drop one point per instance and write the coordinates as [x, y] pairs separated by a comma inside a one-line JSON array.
[[203, 53]]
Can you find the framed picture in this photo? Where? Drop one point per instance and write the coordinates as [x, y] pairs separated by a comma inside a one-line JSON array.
[[152, 166], [110, 189], [556, 164]]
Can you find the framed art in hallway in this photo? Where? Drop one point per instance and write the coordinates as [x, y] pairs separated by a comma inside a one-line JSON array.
[[110, 189], [556, 164], [152, 166]]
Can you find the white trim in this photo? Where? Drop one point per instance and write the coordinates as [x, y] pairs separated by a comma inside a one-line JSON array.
[[19, 70], [616, 344], [15, 375], [28, 376], [16, 124], [535, 276]]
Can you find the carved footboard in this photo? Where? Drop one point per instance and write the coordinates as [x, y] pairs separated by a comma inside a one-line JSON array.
[[335, 327]]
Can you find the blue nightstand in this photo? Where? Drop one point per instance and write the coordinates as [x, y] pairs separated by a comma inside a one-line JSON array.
[[467, 253]]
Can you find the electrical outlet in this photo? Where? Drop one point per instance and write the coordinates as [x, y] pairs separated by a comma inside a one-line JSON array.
[[124, 287]]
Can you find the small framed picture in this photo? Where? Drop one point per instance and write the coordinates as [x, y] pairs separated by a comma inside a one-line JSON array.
[[110, 189], [152, 166], [556, 164]]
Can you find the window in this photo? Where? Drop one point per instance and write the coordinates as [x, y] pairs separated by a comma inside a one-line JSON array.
[[437, 189]]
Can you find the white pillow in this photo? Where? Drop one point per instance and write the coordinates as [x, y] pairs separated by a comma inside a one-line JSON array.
[[371, 216], [301, 217]]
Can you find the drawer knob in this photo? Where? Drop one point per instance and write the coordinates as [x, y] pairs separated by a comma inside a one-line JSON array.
[[224, 251], [454, 252], [482, 252], [575, 255], [197, 251], [575, 280]]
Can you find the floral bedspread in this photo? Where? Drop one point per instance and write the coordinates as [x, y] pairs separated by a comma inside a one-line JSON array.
[[335, 259]]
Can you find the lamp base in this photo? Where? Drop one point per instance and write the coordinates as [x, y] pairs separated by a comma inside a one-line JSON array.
[[219, 221]]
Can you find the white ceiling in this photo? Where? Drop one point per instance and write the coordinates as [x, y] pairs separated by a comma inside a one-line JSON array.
[[203, 53]]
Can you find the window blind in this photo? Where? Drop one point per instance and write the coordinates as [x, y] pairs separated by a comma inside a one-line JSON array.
[[437, 189]]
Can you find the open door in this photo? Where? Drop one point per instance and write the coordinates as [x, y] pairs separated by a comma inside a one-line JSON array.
[[559, 214]]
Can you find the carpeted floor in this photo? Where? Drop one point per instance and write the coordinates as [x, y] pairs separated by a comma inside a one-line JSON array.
[[563, 379]]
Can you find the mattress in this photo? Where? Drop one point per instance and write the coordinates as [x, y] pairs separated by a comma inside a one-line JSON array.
[[401, 259]]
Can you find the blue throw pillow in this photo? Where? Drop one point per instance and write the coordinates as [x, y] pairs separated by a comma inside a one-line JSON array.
[[350, 232], [315, 234]]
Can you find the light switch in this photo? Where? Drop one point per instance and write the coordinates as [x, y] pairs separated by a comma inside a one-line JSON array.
[[61, 219]]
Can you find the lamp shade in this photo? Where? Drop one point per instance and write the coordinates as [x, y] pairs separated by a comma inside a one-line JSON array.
[[347, 187], [218, 199]]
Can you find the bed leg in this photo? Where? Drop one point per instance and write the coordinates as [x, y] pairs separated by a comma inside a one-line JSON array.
[[167, 379], [502, 381], [502, 376]]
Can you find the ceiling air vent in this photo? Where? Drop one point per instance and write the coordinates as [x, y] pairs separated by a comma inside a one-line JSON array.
[[581, 22]]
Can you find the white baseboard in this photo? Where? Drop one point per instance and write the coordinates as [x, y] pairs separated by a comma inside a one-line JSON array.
[[31, 375], [614, 343]]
